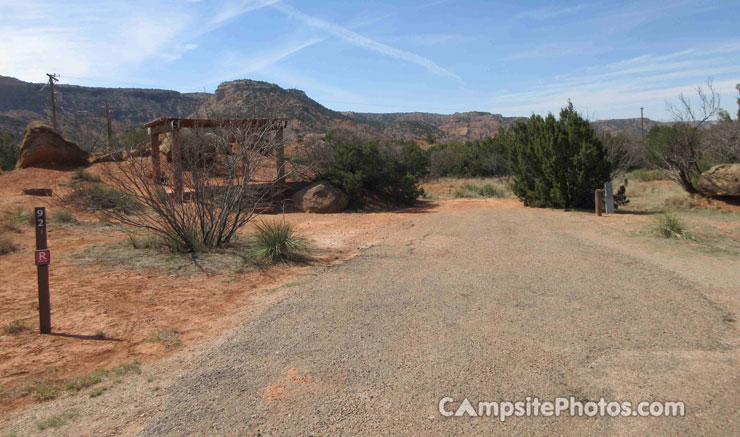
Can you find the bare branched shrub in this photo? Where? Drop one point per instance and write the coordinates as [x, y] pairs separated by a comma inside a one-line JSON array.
[[228, 175], [725, 135], [623, 151], [680, 148]]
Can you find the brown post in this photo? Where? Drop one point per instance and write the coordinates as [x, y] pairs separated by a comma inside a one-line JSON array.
[[177, 161], [599, 201], [280, 152], [156, 165], [42, 263], [108, 124]]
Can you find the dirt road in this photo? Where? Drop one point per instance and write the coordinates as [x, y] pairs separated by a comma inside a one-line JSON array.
[[487, 304]]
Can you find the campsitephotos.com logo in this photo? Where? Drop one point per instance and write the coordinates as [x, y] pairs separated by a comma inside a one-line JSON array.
[[533, 407]]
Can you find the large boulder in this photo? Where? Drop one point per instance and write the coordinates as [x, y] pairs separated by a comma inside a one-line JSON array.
[[721, 180], [321, 197], [43, 146]]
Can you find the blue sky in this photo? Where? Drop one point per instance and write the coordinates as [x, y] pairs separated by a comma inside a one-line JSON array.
[[514, 58]]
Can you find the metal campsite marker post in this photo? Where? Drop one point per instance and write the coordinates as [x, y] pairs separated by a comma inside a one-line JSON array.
[[43, 258], [609, 197]]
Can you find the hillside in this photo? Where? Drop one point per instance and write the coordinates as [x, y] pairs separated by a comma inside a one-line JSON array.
[[80, 111]]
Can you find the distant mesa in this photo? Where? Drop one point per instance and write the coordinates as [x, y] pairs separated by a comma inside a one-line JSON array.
[[80, 112]]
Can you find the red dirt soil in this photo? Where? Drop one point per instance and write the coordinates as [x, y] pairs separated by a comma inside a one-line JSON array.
[[128, 304]]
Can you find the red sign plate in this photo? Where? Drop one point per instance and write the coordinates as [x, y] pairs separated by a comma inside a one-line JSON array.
[[43, 257]]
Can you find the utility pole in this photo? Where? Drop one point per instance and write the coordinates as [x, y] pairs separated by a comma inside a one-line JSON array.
[[642, 122], [110, 130], [52, 79]]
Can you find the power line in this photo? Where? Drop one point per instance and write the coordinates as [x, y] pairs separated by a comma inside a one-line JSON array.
[[53, 78]]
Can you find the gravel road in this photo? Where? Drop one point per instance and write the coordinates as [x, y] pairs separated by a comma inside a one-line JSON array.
[[484, 304]]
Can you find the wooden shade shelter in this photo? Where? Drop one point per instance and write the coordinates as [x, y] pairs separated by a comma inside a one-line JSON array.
[[165, 125]]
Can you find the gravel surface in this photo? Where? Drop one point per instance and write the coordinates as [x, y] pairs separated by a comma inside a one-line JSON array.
[[484, 304]]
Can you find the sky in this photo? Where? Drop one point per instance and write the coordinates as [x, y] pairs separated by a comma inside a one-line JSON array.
[[513, 58]]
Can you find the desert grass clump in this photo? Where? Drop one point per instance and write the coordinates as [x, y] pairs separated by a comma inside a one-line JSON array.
[[668, 225], [99, 197], [486, 190], [83, 176], [42, 391], [679, 201], [132, 367], [55, 421], [6, 245], [144, 242], [22, 217], [63, 216], [15, 327], [85, 381], [166, 336], [278, 242]]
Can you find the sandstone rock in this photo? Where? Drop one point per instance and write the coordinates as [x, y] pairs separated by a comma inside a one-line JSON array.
[[721, 180], [42, 145], [321, 197]]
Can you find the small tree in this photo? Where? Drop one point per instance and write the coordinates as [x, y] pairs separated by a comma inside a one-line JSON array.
[[680, 149], [221, 197], [390, 171], [557, 162]]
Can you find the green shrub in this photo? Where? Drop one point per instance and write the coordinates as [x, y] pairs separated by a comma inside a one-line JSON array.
[[391, 171], [8, 152], [557, 163], [668, 225], [277, 241], [481, 158], [99, 197]]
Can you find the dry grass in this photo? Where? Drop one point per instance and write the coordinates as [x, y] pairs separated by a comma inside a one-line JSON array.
[[655, 196], [166, 336], [146, 253], [15, 327], [6, 245], [55, 421], [713, 232], [467, 187]]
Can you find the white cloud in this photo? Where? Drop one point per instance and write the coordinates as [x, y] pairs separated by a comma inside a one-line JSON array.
[[622, 87], [105, 40], [364, 42]]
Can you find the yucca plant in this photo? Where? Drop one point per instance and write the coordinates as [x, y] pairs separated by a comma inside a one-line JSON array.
[[670, 226], [278, 241]]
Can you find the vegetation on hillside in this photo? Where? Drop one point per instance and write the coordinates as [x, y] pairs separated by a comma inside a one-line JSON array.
[[8, 151]]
